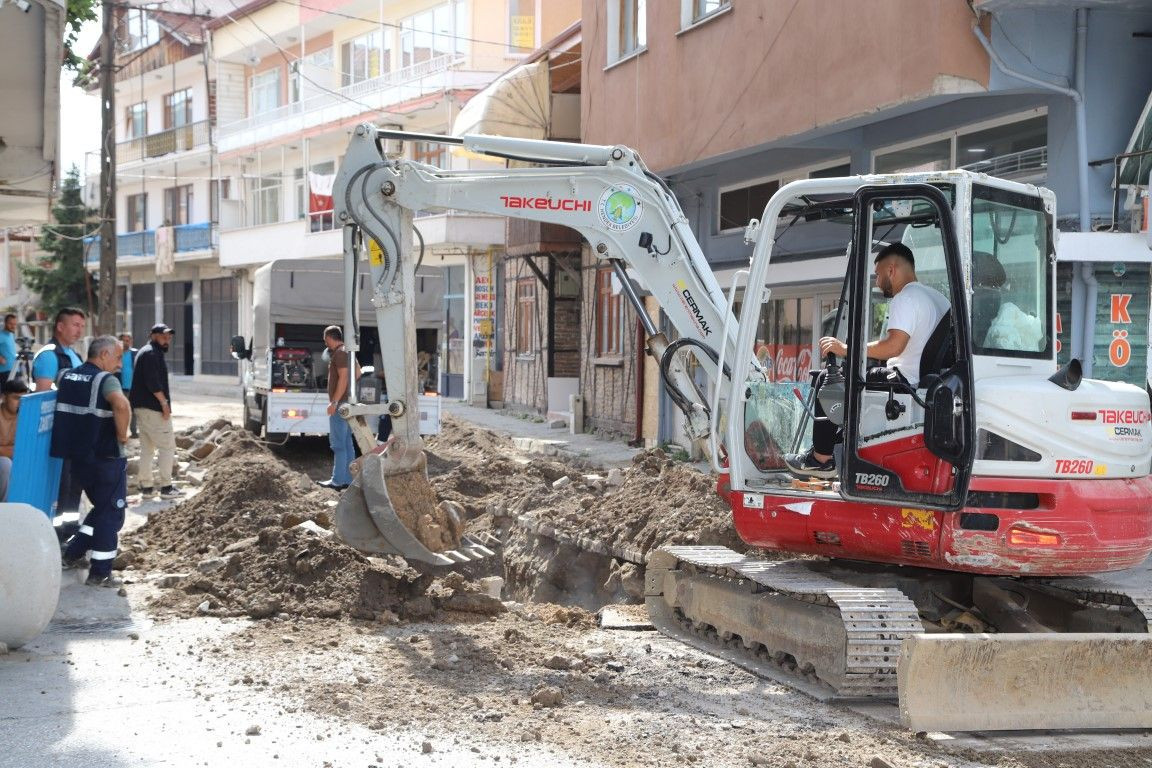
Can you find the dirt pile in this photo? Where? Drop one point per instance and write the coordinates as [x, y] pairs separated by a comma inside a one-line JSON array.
[[257, 541]]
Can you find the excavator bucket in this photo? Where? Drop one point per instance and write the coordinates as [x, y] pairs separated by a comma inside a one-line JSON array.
[[1010, 681], [392, 510]]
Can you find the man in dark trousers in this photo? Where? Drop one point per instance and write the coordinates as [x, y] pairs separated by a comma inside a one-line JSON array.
[[341, 379], [90, 429], [152, 402]]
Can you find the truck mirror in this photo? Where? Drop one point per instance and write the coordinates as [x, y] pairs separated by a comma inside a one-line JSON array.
[[240, 350]]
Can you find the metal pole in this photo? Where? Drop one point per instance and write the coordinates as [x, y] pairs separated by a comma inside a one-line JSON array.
[[106, 304]]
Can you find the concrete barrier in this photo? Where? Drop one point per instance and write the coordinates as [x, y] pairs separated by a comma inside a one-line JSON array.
[[1008, 682], [29, 573]]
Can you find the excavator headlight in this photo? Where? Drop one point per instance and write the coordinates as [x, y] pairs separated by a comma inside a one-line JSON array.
[[1022, 537]]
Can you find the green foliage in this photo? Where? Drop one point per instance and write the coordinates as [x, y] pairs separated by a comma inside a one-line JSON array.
[[61, 279], [79, 11]]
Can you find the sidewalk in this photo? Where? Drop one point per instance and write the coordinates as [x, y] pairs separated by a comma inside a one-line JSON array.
[[540, 438]]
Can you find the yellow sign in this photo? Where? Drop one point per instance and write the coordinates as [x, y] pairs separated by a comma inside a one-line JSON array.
[[375, 254], [522, 32], [918, 518]]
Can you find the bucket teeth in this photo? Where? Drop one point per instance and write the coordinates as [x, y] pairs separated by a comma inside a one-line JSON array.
[[367, 518]]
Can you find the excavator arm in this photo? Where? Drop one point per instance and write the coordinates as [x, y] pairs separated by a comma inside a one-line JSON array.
[[628, 216]]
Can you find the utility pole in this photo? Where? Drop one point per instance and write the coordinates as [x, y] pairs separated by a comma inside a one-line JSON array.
[[106, 304]]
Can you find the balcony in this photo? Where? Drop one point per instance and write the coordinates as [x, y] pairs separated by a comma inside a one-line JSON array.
[[188, 239], [375, 95], [1029, 166], [182, 139]]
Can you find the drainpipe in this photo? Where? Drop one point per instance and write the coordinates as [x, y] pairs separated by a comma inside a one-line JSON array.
[[1076, 94], [1088, 275]]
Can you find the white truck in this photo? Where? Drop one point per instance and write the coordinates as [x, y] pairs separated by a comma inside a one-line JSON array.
[[284, 365]]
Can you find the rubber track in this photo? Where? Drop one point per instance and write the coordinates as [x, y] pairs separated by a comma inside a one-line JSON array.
[[876, 620], [1092, 589]]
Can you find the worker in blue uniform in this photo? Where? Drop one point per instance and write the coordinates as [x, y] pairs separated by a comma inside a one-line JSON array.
[[90, 429]]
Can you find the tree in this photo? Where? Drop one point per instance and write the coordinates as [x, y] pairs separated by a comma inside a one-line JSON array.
[[61, 279], [79, 11]]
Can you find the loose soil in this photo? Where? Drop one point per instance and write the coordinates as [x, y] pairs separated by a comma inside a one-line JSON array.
[[379, 642]]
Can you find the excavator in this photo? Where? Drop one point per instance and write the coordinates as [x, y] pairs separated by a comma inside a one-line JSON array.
[[959, 560]]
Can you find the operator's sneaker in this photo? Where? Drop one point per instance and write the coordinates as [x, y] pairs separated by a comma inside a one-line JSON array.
[[146, 493], [806, 465], [169, 492], [109, 581]]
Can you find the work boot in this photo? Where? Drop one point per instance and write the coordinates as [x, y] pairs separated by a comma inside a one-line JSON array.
[[170, 492], [109, 581], [74, 564], [807, 465]]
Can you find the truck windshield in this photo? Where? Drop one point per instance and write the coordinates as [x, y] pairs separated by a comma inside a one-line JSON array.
[[1011, 275]]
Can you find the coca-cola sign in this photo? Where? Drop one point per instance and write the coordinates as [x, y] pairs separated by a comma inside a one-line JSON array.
[[785, 362]]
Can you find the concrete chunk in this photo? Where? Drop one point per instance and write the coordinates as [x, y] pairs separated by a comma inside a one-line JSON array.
[[1008, 682]]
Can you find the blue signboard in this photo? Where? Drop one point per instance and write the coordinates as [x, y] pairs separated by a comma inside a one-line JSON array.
[[35, 475]]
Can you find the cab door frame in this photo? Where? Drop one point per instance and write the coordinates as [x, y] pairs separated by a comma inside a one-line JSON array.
[[950, 400]]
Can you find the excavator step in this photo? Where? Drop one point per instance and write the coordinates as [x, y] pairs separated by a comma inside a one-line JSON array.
[[1012, 682]]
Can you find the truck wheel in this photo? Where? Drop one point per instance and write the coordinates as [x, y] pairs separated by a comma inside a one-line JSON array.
[[271, 437], [250, 424]]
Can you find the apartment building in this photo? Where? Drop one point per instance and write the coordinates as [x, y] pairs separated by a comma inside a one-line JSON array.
[[811, 89], [167, 217], [292, 79]]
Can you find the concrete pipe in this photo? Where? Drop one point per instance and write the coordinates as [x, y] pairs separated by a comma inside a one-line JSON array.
[[29, 573]]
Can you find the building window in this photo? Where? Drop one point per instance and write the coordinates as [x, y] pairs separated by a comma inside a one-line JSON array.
[[313, 73], [521, 26], [432, 153], [139, 30], [178, 205], [609, 317], [264, 91], [439, 31], [178, 109], [218, 189], [526, 315], [137, 120], [628, 25], [137, 218], [321, 178], [739, 206], [266, 200], [692, 11], [365, 57]]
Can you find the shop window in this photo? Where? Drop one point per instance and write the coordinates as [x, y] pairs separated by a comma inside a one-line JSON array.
[[922, 158], [526, 315], [784, 338], [609, 317]]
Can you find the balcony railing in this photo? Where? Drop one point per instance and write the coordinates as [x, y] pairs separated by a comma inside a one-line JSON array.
[[187, 238], [1029, 162], [179, 139], [347, 94]]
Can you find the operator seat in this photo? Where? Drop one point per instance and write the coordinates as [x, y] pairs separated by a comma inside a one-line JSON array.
[[939, 352], [988, 279]]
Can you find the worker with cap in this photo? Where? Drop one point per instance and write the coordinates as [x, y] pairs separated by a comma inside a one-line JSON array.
[[90, 428], [151, 399]]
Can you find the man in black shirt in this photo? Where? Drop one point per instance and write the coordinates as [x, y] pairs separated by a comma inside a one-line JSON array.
[[152, 403]]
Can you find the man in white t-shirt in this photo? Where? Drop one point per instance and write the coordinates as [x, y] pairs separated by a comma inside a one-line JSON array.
[[913, 314]]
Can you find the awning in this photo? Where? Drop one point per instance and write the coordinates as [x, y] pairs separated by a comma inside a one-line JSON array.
[[1110, 247], [1135, 170], [516, 104]]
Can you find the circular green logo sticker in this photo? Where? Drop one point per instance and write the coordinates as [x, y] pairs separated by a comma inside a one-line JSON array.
[[619, 209]]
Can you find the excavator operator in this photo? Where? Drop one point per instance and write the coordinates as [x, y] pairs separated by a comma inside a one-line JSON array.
[[913, 313]]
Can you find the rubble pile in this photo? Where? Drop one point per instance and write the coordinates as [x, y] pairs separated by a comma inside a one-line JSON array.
[[257, 541]]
